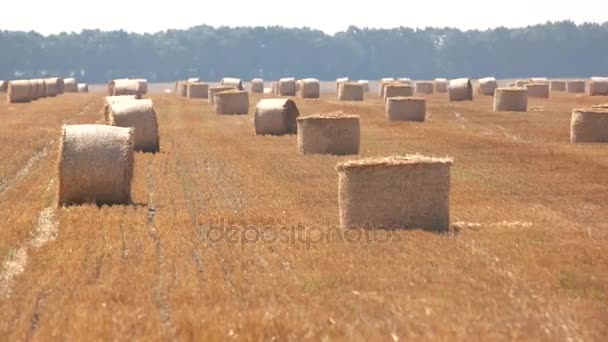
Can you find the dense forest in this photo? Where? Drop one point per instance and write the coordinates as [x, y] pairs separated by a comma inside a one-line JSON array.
[[560, 49]]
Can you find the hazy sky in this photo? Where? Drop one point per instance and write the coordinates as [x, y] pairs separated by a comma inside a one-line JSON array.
[[52, 16]]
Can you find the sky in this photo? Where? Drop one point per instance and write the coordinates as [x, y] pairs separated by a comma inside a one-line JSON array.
[[53, 16]]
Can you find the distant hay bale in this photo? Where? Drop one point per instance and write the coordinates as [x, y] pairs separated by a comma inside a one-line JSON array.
[[50, 88], [350, 91], [538, 90], [276, 117], [575, 86], [589, 125], [557, 85], [538, 80], [56, 85], [405, 109], [19, 91], [340, 81], [126, 87], [333, 133], [232, 82], [287, 86], [388, 79], [365, 84], [486, 86], [257, 85], [460, 89], [95, 164], [409, 191], [231, 101], [598, 86], [143, 85], [215, 90], [70, 85], [60, 85], [511, 99], [34, 90], [3, 86], [83, 88], [197, 90], [110, 100], [405, 80], [425, 87], [441, 85], [182, 89], [139, 114], [193, 80], [397, 90], [310, 88], [40, 88]]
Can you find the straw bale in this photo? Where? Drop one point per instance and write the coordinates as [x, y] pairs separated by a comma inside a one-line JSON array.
[[276, 117], [332, 133]]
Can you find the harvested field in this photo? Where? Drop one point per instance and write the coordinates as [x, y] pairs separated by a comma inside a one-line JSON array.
[[236, 236]]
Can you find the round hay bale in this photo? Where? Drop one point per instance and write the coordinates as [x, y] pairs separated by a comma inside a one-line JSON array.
[[511, 99], [95, 164], [538, 90], [41, 88], [3, 86], [70, 85], [50, 88], [589, 125], [575, 86], [110, 100], [215, 90], [34, 90], [140, 115], [143, 85], [287, 86], [340, 81], [558, 85], [126, 87], [197, 90], [83, 88], [486, 86], [425, 87], [232, 101], [56, 85], [350, 91], [333, 133], [257, 85], [397, 90], [60, 85], [310, 88], [19, 91], [365, 84], [460, 89], [598, 86], [232, 82], [276, 117], [409, 191], [406, 109], [441, 85]]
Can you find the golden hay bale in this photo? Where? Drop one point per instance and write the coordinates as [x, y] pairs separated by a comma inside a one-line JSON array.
[[95, 164], [83, 88], [60, 85], [441, 85], [56, 85], [34, 89], [232, 82], [340, 81], [575, 86], [409, 191], [310, 88], [350, 91], [126, 87], [19, 91], [598, 86], [50, 87], [405, 109], [143, 85], [197, 90], [511, 99], [257, 85], [425, 87], [276, 117], [333, 133], [538, 90], [558, 85], [139, 114], [460, 89], [365, 84], [397, 90], [40, 88], [287, 86], [589, 125], [110, 100], [486, 86], [231, 101], [215, 90], [3, 86], [70, 85]]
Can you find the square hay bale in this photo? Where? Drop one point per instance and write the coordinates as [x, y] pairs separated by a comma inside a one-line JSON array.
[[441, 85], [406, 109], [310, 88], [257, 85], [83, 88], [397, 90], [19, 91], [589, 125], [287, 86], [396, 192], [332, 133], [182, 89], [538, 90], [215, 90], [140, 115], [558, 85], [231, 102], [276, 117], [460, 89], [575, 86], [598, 86], [232, 82], [350, 91], [197, 90], [486, 86], [511, 99], [425, 87], [341, 80], [365, 84]]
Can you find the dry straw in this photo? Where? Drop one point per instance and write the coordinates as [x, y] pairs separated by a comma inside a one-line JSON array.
[[257, 85], [19, 91], [95, 164], [215, 90], [310, 88], [589, 125], [230, 102], [232, 82], [406, 109], [598, 86], [197, 90], [332, 133], [575, 86], [409, 191], [83, 88], [441, 85], [486, 86], [397, 90], [511, 99], [538, 90], [425, 87], [276, 117], [70, 85], [140, 115], [350, 91], [557, 85], [460, 89]]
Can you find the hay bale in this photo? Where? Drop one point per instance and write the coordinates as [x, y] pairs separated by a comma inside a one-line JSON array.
[[19, 91], [340, 81], [287, 86], [215, 90], [409, 191], [40, 88], [425, 87], [95, 164], [365, 84], [522, 83], [387, 79], [405, 80], [197, 90], [70, 85], [441, 85], [397, 90], [193, 80], [50, 88], [511, 99], [460, 89], [60, 85], [34, 89], [538, 90], [575, 86], [538, 80], [276, 117], [231, 101], [598, 86], [139, 114], [110, 100], [486, 86], [126, 87], [257, 85], [350, 91], [333, 133], [310, 88], [83, 88], [143, 85], [589, 125], [405, 109], [182, 89], [557, 85], [232, 82], [3, 86]]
